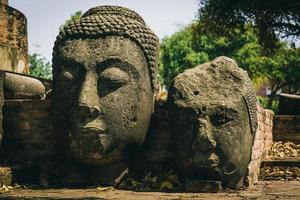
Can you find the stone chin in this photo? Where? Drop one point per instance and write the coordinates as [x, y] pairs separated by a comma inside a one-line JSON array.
[[206, 160], [99, 157], [93, 145]]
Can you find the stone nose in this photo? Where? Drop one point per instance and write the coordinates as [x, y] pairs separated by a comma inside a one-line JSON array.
[[88, 100], [84, 111], [204, 140], [88, 91]]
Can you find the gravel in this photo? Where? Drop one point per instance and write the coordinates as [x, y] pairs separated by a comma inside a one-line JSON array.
[[283, 150], [280, 173]]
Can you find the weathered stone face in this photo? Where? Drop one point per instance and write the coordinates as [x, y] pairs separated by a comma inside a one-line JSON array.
[[211, 110], [103, 93], [105, 84]]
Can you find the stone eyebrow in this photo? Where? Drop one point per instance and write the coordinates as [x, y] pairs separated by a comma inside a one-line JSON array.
[[64, 63], [122, 64]]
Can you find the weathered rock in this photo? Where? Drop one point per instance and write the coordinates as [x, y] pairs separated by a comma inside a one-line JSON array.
[[5, 176], [213, 117], [104, 83], [17, 86]]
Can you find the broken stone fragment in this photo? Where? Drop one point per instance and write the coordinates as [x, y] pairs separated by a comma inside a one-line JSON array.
[[17, 86]]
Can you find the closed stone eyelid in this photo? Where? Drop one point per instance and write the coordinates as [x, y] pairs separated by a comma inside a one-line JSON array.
[[115, 74]]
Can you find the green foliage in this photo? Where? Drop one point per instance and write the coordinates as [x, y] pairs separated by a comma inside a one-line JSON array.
[[264, 101], [74, 17], [193, 45], [39, 67], [273, 19], [177, 54]]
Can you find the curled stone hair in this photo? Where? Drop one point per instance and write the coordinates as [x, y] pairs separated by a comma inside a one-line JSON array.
[[115, 20], [248, 92]]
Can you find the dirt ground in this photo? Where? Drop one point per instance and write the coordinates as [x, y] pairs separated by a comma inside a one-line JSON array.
[[262, 190]]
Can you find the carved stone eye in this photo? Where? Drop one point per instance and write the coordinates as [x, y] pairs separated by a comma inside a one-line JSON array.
[[111, 79]]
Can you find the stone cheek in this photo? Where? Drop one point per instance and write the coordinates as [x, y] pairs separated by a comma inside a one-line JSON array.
[[105, 95], [211, 122]]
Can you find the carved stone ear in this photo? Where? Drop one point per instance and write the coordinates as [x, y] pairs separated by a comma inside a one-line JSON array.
[[251, 103]]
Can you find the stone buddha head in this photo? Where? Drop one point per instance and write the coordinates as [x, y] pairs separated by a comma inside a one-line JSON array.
[[213, 116], [104, 83]]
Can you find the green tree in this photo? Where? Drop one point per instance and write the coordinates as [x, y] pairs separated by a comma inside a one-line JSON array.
[[39, 67], [194, 45], [282, 70], [273, 19], [177, 54]]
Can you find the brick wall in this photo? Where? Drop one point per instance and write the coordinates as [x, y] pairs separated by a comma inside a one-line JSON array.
[[287, 128], [27, 131], [262, 142], [13, 40]]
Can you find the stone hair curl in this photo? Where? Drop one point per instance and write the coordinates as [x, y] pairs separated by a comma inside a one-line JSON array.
[[115, 20]]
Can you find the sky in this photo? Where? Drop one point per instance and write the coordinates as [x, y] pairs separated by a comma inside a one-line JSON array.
[[44, 17]]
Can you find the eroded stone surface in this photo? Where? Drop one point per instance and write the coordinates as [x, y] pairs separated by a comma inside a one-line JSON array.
[[213, 118], [103, 84], [17, 86]]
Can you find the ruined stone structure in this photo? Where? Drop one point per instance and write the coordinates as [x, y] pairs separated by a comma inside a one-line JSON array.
[[263, 140], [287, 128], [13, 39], [213, 117], [104, 90]]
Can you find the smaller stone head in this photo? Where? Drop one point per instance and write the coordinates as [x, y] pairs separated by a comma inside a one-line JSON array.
[[213, 117], [104, 84]]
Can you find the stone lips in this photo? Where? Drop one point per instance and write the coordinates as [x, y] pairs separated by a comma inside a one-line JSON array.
[[115, 20]]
